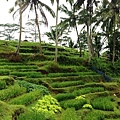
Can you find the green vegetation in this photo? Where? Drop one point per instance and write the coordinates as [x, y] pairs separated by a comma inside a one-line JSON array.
[[37, 88]]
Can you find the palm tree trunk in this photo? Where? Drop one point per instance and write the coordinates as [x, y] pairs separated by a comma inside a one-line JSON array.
[[20, 35], [37, 24], [88, 40], [90, 34], [80, 47], [114, 44], [56, 42]]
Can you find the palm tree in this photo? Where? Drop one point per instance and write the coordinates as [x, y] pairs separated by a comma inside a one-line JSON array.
[[89, 10], [72, 20], [109, 16], [20, 4], [35, 4], [56, 42]]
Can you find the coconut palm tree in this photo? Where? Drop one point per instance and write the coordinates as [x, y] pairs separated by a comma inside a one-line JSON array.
[[71, 21], [108, 15], [56, 42], [20, 4], [34, 5], [89, 9]]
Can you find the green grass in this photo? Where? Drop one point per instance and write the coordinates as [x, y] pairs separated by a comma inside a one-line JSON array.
[[11, 92], [103, 103], [26, 98], [77, 104], [67, 84], [66, 80]]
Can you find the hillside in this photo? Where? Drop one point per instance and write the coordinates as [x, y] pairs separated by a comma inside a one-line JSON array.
[[82, 94]]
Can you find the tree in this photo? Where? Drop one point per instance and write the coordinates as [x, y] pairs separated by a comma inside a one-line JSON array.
[[109, 16], [71, 21], [9, 30], [56, 42], [20, 9], [88, 9], [34, 4], [32, 28], [52, 34]]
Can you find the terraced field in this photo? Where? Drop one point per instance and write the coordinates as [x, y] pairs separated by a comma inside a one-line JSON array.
[[82, 93]]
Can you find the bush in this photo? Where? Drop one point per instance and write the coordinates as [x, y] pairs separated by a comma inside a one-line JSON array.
[[31, 87], [48, 105]]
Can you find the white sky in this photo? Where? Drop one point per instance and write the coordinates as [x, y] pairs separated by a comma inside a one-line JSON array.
[[7, 17]]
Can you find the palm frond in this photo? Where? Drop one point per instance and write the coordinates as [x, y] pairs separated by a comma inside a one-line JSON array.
[[47, 8]]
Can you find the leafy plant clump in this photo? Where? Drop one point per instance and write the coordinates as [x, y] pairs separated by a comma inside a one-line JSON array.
[[88, 106], [31, 87], [47, 105]]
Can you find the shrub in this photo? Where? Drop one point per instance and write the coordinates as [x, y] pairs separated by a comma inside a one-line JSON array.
[[31, 87], [88, 106], [82, 97], [47, 105]]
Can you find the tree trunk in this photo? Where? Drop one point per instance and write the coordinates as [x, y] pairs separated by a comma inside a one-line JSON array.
[[56, 41], [80, 47], [20, 35], [114, 39], [88, 41], [39, 35]]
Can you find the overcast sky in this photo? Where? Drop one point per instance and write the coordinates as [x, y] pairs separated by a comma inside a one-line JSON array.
[[6, 17]]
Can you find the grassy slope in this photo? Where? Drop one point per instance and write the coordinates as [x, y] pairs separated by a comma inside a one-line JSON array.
[[65, 82]]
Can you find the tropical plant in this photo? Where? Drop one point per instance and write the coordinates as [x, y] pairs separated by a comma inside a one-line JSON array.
[[9, 30], [71, 20], [33, 4], [108, 15], [87, 15], [56, 41]]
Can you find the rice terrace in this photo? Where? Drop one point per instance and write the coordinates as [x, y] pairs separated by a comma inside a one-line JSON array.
[[35, 87], [69, 71]]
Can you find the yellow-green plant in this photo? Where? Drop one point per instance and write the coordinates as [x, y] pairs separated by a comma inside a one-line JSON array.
[[47, 105], [81, 97], [87, 106]]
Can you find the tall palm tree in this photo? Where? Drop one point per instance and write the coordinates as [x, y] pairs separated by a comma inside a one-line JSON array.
[[108, 14], [56, 42], [20, 4], [36, 4], [89, 9], [71, 21]]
